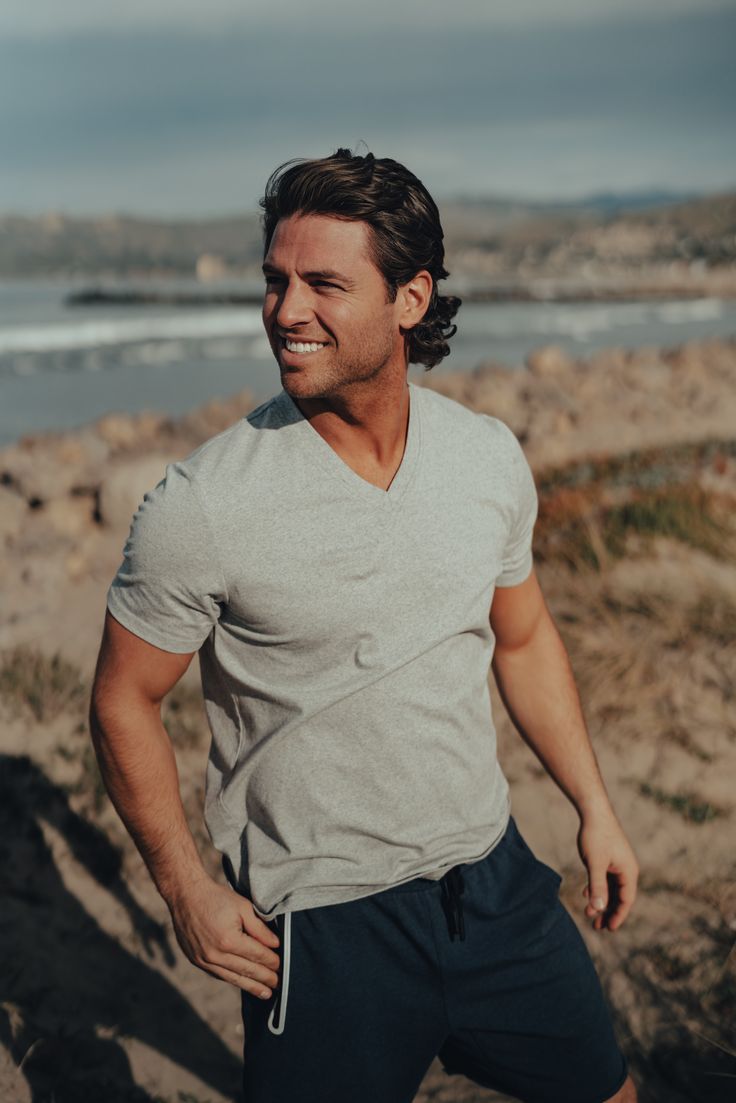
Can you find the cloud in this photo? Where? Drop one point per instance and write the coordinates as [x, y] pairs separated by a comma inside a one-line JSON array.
[[181, 123], [52, 18]]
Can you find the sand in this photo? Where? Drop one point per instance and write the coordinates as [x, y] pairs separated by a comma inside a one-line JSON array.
[[98, 1003]]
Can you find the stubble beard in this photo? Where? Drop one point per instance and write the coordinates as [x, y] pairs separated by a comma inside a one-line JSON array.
[[338, 379]]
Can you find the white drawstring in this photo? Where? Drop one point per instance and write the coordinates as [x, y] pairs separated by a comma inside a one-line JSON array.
[[280, 1004]]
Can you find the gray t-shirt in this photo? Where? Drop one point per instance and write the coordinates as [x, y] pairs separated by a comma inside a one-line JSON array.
[[344, 642]]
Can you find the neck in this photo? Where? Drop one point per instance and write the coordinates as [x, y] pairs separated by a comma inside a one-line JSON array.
[[363, 419]]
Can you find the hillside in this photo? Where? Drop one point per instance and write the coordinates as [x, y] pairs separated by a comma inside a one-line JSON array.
[[489, 243], [634, 455]]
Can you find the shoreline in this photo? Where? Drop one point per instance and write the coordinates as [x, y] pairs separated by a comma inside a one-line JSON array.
[[543, 291]]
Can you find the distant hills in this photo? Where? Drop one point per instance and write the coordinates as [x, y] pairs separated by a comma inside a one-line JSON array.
[[487, 239]]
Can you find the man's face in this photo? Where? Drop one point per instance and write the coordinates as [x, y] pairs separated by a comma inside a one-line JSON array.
[[325, 309]]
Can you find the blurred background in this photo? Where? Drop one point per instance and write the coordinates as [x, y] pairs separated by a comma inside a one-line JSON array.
[[582, 153]]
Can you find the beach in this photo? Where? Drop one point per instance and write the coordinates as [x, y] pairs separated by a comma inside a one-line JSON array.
[[634, 455]]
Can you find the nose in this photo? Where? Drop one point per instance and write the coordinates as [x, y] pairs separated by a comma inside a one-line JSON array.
[[293, 306]]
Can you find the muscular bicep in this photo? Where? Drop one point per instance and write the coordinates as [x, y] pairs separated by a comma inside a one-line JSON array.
[[516, 611], [130, 666]]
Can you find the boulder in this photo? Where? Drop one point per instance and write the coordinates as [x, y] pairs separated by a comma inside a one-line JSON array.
[[125, 433], [549, 361], [70, 516], [123, 488], [12, 515], [43, 468]]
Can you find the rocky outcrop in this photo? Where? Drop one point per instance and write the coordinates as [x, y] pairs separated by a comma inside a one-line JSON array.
[[122, 489], [614, 401]]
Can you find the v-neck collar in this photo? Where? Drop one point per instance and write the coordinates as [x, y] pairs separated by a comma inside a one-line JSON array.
[[331, 461]]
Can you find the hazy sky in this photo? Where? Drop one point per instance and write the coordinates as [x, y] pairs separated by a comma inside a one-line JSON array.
[[174, 107]]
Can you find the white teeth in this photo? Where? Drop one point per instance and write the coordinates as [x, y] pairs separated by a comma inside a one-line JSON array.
[[301, 346]]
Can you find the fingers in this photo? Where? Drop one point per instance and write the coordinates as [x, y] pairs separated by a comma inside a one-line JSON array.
[[626, 894], [241, 961], [221, 935], [612, 870], [249, 970], [256, 928], [597, 893], [246, 984], [252, 950], [619, 900]]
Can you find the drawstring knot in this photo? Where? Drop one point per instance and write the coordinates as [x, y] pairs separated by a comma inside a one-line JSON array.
[[453, 888]]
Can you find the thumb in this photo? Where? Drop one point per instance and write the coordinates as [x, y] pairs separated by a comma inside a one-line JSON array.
[[597, 891], [255, 926]]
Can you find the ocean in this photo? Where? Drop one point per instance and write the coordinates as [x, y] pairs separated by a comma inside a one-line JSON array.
[[63, 366]]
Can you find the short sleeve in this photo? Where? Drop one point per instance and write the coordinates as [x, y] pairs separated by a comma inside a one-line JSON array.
[[517, 556], [169, 587]]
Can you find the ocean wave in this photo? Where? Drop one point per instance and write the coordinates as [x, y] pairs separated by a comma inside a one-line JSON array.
[[120, 331], [696, 310], [582, 321], [146, 354]]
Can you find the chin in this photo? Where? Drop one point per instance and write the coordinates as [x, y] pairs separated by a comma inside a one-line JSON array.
[[298, 385]]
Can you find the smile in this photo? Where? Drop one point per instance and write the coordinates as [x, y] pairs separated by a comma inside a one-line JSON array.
[[302, 346]]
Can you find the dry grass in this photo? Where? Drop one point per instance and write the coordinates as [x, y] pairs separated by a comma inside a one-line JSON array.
[[42, 685], [578, 526], [687, 804], [675, 995], [651, 633]]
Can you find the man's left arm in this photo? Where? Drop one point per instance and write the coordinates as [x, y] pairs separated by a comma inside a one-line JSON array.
[[536, 683]]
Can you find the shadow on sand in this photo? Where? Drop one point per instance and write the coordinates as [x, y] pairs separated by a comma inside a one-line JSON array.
[[68, 990]]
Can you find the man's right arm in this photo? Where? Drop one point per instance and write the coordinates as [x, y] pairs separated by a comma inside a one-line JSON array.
[[217, 929]]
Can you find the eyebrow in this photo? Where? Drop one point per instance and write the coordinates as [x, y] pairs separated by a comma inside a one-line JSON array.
[[319, 274]]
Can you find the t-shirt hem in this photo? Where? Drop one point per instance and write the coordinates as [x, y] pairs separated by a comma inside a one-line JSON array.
[[301, 900], [142, 628], [515, 578]]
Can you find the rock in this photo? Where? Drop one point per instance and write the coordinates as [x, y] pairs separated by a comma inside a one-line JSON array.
[[43, 468], [12, 515], [123, 432], [563, 422], [122, 490], [215, 415], [70, 516], [77, 565], [549, 361], [610, 361]]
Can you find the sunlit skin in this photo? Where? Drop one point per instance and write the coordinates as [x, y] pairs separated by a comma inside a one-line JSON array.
[[322, 285]]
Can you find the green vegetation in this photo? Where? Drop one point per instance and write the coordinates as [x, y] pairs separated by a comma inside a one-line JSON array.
[[44, 685], [646, 468], [683, 513], [688, 805], [602, 509], [576, 528]]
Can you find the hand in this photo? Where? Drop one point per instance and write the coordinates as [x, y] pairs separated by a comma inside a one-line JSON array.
[[219, 932], [612, 867]]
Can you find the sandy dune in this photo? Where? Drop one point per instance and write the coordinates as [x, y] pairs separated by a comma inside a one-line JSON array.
[[635, 459]]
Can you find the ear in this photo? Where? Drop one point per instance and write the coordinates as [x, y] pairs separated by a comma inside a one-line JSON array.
[[414, 298]]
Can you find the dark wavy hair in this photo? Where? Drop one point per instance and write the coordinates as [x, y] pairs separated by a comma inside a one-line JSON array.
[[406, 234]]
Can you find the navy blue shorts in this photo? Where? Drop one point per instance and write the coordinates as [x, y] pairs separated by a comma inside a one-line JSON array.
[[494, 979]]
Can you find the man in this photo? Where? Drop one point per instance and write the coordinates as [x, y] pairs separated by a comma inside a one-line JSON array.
[[345, 560]]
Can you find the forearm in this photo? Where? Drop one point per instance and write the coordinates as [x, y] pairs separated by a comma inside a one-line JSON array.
[[138, 767], [537, 686]]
